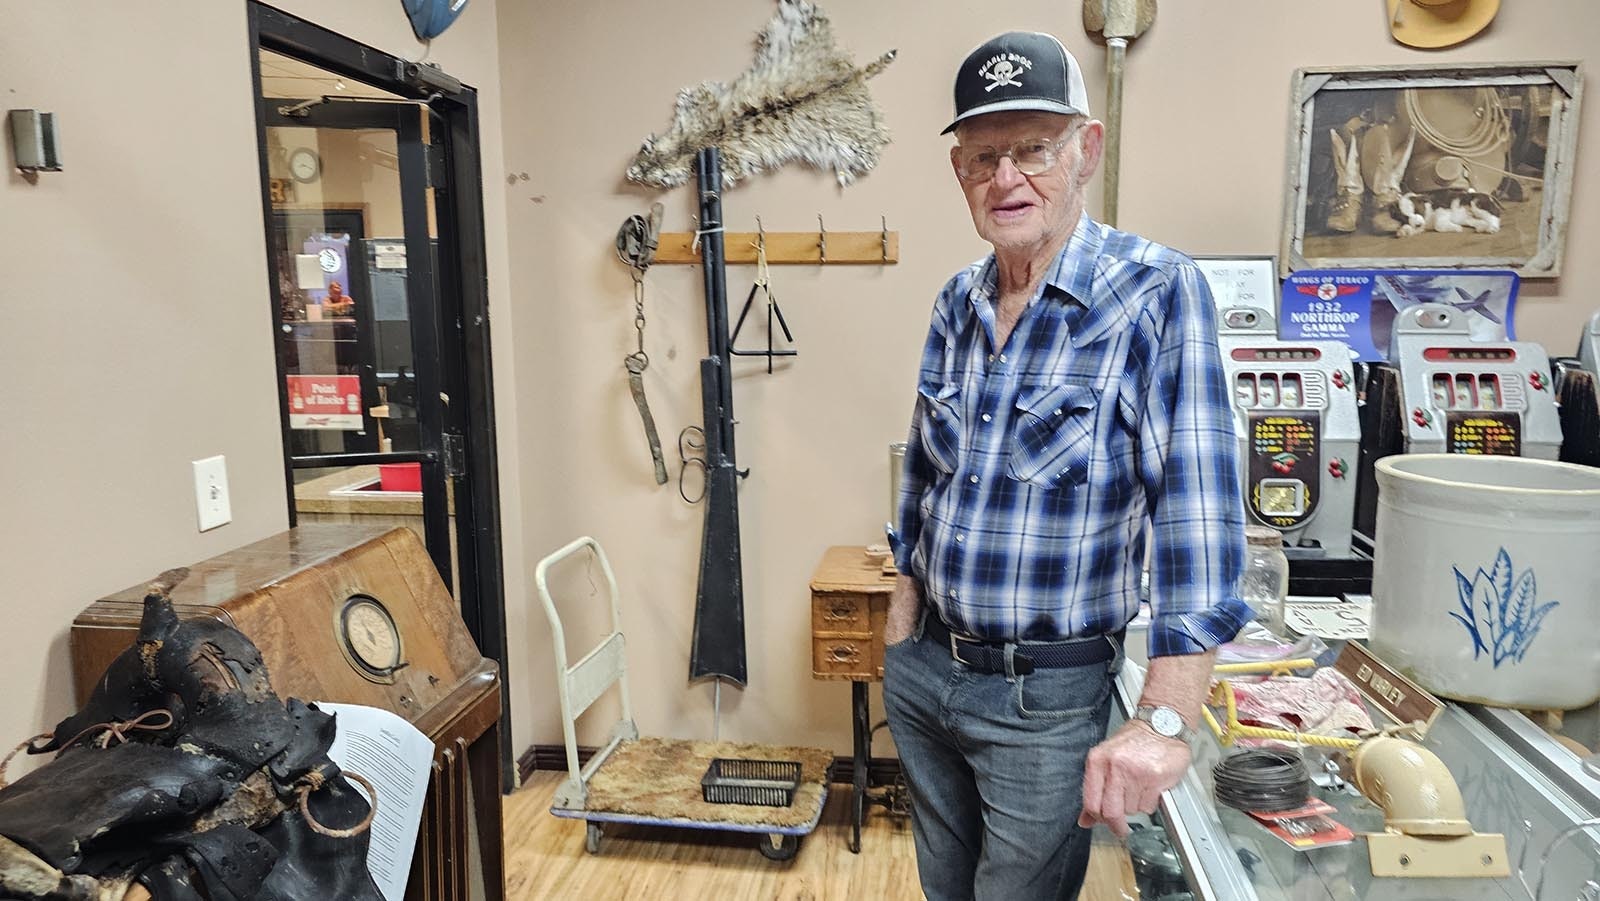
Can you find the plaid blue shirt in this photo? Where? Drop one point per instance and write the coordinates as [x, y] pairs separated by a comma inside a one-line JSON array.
[[1032, 471]]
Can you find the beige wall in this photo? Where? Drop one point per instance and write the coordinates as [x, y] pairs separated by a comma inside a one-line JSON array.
[[134, 312], [1205, 144]]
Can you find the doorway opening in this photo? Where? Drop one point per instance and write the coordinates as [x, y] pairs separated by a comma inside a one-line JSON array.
[[372, 197]]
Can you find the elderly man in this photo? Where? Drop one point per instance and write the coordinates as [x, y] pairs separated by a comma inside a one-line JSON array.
[[1071, 402]]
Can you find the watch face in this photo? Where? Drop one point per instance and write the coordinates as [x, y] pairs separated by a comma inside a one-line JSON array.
[[370, 637], [1166, 721]]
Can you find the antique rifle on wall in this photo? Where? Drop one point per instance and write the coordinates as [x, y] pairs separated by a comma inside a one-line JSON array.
[[718, 649]]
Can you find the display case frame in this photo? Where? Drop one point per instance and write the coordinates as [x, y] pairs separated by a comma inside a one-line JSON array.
[[1507, 766]]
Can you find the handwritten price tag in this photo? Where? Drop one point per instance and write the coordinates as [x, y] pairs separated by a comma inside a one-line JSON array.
[[1334, 622]]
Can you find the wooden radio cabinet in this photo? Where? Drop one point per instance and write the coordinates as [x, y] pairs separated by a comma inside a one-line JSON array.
[[297, 596]]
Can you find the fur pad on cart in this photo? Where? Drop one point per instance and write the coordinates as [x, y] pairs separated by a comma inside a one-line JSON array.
[[802, 99], [185, 778]]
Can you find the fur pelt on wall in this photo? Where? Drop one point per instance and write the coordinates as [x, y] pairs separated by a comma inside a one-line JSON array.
[[802, 99]]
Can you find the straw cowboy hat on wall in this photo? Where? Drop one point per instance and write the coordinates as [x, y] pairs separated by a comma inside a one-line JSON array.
[[1439, 23]]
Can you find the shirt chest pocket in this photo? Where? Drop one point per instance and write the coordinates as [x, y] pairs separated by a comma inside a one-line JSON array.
[[941, 425], [1054, 437]]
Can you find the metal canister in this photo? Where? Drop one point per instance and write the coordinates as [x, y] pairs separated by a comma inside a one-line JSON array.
[[897, 464]]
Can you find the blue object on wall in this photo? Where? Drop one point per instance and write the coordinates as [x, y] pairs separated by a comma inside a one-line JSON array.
[[429, 18]]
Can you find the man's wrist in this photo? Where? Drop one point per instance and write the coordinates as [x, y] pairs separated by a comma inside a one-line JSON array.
[[1142, 726], [1164, 721]]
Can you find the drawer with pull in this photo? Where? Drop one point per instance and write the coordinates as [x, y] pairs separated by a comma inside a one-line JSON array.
[[840, 613], [843, 658]]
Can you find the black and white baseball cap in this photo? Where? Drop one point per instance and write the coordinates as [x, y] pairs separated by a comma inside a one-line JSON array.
[[1019, 70]]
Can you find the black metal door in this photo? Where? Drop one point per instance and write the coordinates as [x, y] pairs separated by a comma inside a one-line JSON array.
[[421, 133]]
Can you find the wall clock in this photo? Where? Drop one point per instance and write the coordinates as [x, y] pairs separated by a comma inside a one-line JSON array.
[[305, 165]]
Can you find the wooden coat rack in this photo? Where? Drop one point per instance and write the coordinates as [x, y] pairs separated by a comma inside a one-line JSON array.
[[821, 247]]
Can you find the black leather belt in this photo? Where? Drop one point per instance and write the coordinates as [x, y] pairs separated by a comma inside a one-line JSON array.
[[990, 656]]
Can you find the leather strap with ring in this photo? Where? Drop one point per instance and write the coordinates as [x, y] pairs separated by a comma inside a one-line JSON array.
[[637, 241]]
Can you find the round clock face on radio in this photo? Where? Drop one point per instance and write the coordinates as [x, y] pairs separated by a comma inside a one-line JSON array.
[[369, 636]]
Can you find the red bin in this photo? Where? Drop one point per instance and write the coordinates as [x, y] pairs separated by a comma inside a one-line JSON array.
[[400, 476]]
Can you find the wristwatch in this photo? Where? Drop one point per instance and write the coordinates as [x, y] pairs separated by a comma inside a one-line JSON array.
[[1164, 721]]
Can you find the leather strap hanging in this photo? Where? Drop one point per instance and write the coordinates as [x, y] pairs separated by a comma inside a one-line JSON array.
[[637, 241]]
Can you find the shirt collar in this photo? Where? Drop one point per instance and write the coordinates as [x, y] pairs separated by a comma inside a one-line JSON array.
[[1072, 274]]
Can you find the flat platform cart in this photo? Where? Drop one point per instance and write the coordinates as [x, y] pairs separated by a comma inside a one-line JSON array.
[[584, 682]]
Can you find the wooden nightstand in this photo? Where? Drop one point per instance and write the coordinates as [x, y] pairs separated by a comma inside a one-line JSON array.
[[849, 600]]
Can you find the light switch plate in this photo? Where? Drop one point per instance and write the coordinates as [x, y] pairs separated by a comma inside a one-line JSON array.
[[211, 493]]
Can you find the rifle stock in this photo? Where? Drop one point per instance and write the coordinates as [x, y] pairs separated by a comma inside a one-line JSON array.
[[718, 648]]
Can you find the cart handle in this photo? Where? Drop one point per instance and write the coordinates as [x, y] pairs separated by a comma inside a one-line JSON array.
[[581, 684]]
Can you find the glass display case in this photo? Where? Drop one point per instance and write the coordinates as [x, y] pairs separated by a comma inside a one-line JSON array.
[[1514, 778]]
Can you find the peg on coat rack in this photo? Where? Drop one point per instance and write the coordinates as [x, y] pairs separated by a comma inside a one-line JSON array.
[[816, 247]]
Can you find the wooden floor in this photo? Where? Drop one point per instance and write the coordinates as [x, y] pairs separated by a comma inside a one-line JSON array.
[[545, 859]]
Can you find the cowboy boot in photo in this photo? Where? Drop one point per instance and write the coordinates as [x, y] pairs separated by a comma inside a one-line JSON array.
[[1344, 210], [1384, 217]]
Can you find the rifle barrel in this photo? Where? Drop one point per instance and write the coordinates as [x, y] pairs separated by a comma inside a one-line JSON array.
[[718, 648]]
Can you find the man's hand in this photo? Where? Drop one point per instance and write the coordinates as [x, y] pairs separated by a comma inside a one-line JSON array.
[[904, 604], [1127, 773]]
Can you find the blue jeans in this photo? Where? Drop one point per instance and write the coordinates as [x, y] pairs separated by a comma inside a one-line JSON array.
[[994, 763]]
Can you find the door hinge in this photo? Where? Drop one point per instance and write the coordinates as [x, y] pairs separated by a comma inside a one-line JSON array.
[[455, 455]]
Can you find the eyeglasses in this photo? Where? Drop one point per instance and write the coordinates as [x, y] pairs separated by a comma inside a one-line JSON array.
[[1034, 156]]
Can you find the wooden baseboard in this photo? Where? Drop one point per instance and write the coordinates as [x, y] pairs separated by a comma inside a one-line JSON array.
[[880, 770]]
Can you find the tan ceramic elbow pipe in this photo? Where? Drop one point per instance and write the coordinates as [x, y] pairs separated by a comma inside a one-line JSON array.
[[1417, 793]]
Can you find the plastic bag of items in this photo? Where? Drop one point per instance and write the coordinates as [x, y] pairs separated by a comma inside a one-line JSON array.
[[185, 778], [1256, 643], [1326, 703]]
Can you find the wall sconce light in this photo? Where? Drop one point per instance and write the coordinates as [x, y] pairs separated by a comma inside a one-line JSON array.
[[35, 141]]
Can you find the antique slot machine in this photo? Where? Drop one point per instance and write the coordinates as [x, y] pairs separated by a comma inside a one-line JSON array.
[[1578, 391], [356, 615], [1589, 345], [1460, 396], [1299, 432]]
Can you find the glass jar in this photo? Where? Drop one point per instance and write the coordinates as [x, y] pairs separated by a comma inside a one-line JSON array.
[[1265, 582]]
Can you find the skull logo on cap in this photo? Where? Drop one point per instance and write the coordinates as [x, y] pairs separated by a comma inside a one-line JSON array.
[[1002, 74]]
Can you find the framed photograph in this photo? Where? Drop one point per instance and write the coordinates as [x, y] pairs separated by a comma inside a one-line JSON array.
[[1241, 280], [1457, 166]]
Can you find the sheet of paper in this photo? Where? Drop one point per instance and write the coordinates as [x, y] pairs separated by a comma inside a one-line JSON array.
[[1242, 282], [308, 272], [1312, 599], [397, 759], [1329, 621]]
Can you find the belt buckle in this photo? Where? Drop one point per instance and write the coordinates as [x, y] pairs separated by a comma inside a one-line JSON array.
[[955, 646]]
